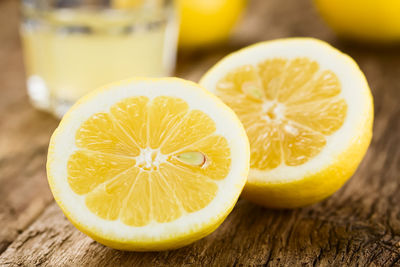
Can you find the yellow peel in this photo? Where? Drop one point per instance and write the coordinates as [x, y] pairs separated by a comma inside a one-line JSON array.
[[121, 189], [313, 126]]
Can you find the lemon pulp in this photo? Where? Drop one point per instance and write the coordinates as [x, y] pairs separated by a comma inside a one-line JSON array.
[[127, 163], [289, 107]]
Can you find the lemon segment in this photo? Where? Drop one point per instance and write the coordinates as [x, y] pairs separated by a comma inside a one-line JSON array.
[[217, 157], [121, 177], [194, 127], [303, 105], [88, 169], [173, 110], [102, 134], [132, 114]]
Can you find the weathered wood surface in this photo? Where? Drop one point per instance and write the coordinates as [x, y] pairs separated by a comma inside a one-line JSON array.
[[358, 226], [24, 135]]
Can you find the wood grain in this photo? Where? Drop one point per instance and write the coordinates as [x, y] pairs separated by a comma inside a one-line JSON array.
[[357, 226], [24, 135]]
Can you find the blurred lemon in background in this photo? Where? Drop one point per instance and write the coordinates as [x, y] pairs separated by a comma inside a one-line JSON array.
[[125, 4], [206, 22], [370, 20]]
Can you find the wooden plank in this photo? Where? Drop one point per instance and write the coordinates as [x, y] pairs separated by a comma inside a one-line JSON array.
[[359, 225], [24, 134]]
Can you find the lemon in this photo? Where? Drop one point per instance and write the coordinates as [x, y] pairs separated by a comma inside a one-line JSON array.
[[369, 20], [148, 164], [206, 22], [308, 112], [128, 4]]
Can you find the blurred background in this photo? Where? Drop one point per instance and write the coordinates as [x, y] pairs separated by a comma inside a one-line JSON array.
[[71, 47], [52, 52]]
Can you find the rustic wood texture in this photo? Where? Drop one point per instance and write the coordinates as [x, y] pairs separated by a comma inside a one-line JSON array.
[[24, 136], [357, 226]]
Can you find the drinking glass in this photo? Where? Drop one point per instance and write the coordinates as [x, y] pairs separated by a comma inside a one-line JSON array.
[[74, 46]]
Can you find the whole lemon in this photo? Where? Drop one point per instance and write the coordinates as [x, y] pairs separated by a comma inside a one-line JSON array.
[[206, 22], [369, 20]]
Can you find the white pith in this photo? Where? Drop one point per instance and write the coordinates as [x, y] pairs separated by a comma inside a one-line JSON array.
[[354, 91], [150, 158], [63, 145], [274, 107]]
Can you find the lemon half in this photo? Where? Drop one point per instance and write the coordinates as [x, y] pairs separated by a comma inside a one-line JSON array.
[[148, 164], [308, 113]]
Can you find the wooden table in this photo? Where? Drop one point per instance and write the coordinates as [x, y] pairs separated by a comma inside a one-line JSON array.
[[359, 225]]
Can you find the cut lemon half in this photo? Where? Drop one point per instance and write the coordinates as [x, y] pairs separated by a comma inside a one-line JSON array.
[[148, 164], [308, 112]]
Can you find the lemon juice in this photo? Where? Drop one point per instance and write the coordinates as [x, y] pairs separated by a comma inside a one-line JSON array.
[[71, 52]]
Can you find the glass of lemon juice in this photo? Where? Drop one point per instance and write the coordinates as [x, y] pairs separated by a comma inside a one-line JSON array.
[[74, 46]]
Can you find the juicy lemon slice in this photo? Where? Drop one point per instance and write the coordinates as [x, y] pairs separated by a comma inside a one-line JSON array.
[[308, 113], [148, 164]]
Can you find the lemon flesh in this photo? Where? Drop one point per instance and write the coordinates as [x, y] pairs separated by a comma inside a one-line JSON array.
[[287, 107], [128, 171], [149, 172], [309, 125]]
